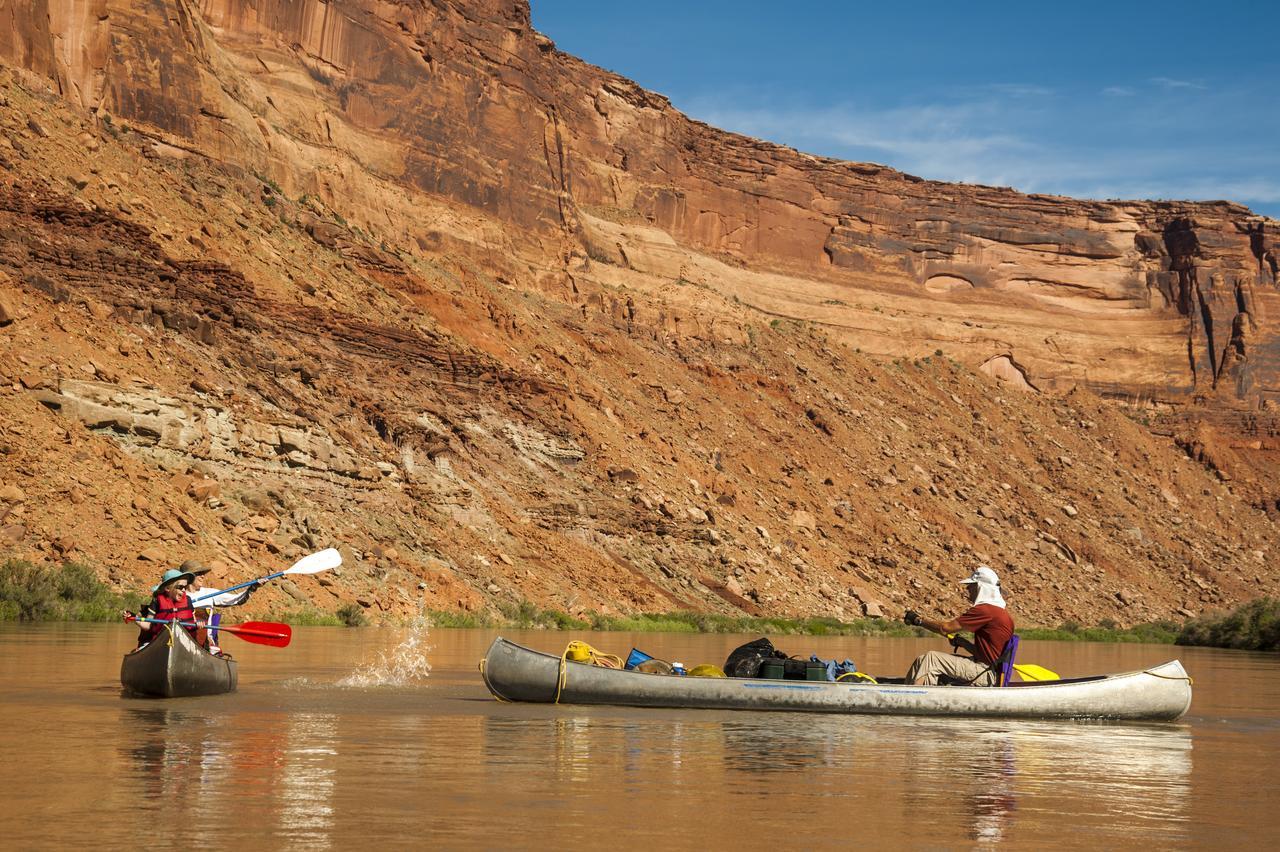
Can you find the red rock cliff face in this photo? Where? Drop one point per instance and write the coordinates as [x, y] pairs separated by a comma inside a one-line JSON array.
[[455, 124]]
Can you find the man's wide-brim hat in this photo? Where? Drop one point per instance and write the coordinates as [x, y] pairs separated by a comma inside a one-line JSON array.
[[983, 575], [191, 566], [171, 576]]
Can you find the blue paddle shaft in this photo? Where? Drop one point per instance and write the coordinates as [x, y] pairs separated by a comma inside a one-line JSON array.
[[217, 592], [162, 621]]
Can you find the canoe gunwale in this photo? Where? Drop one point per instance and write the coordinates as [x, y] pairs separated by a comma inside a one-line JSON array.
[[513, 672]]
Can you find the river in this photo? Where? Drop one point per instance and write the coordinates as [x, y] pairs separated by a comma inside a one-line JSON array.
[[387, 737]]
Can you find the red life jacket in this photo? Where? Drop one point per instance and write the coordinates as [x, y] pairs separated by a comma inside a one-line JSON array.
[[171, 609], [166, 608]]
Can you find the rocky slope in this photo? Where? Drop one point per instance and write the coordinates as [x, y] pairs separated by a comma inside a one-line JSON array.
[[402, 277]]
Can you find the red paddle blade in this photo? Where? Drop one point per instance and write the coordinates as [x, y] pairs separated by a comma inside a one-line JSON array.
[[262, 632]]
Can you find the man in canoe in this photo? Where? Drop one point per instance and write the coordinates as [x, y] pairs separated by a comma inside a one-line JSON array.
[[988, 620], [206, 599]]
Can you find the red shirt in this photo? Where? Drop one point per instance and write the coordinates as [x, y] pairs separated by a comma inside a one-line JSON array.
[[991, 626]]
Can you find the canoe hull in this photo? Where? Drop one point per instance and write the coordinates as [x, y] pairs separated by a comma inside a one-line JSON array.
[[515, 673], [177, 668]]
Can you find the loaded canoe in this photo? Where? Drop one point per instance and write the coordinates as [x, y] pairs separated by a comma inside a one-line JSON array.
[[173, 666], [515, 673]]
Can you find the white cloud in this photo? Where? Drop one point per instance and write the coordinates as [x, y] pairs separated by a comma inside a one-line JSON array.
[[931, 140], [1085, 146], [1019, 90], [1171, 83]]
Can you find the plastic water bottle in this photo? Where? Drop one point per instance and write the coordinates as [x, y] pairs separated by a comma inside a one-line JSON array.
[[677, 668]]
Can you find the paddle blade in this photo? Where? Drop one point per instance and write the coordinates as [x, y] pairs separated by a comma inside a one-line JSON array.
[[316, 562], [262, 633], [1030, 671]]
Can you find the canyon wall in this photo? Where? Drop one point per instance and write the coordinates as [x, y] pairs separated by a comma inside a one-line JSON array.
[[513, 333], [454, 124]]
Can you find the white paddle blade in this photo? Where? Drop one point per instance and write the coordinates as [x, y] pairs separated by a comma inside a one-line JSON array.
[[316, 562]]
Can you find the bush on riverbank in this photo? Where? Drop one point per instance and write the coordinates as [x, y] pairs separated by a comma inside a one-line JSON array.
[[693, 622], [307, 616], [528, 616], [31, 592], [352, 615], [1155, 632], [1254, 626]]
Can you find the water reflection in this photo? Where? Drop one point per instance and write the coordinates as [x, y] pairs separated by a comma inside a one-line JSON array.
[[788, 744], [308, 778], [195, 761], [573, 748], [175, 753], [970, 778]]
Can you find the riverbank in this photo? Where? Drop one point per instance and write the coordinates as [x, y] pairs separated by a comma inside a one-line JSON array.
[[73, 593]]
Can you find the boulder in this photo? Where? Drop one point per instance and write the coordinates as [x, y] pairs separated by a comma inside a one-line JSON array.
[[801, 519], [202, 488]]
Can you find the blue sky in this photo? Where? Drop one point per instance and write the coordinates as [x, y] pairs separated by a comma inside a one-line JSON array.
[[1088, 99]]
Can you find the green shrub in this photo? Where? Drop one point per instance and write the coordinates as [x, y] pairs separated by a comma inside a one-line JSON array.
[[527, 615], [694, 622], [30, 591], [352, 615], [1155, 632], [440, 618], [307, 616], [71, 593], [1254, 626]]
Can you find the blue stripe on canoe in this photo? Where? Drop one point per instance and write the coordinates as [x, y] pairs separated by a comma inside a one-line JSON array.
[[806, 688]]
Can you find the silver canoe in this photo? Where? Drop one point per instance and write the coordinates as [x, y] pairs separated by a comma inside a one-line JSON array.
[[515, 673], [173, 665]]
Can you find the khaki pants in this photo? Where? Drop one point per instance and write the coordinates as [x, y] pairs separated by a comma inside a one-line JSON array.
[[930, 667]]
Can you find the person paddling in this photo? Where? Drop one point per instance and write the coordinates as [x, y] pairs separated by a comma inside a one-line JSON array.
[[987, 618], [205, 599], [169, 602]]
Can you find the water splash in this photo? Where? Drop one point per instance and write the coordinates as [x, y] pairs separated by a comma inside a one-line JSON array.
[[405, 664]]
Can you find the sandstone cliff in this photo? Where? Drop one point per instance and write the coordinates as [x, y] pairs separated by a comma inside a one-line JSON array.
[[402, 276], [391, 111]]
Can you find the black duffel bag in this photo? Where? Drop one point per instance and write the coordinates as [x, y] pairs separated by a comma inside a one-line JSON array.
[[746, 659]]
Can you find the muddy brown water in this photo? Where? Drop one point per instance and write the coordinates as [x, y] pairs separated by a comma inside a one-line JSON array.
[[344, 738]]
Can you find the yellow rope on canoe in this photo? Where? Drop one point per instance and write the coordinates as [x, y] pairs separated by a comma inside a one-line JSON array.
[[1187, 678], [859, 676], [581, 652], [485, 678]]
